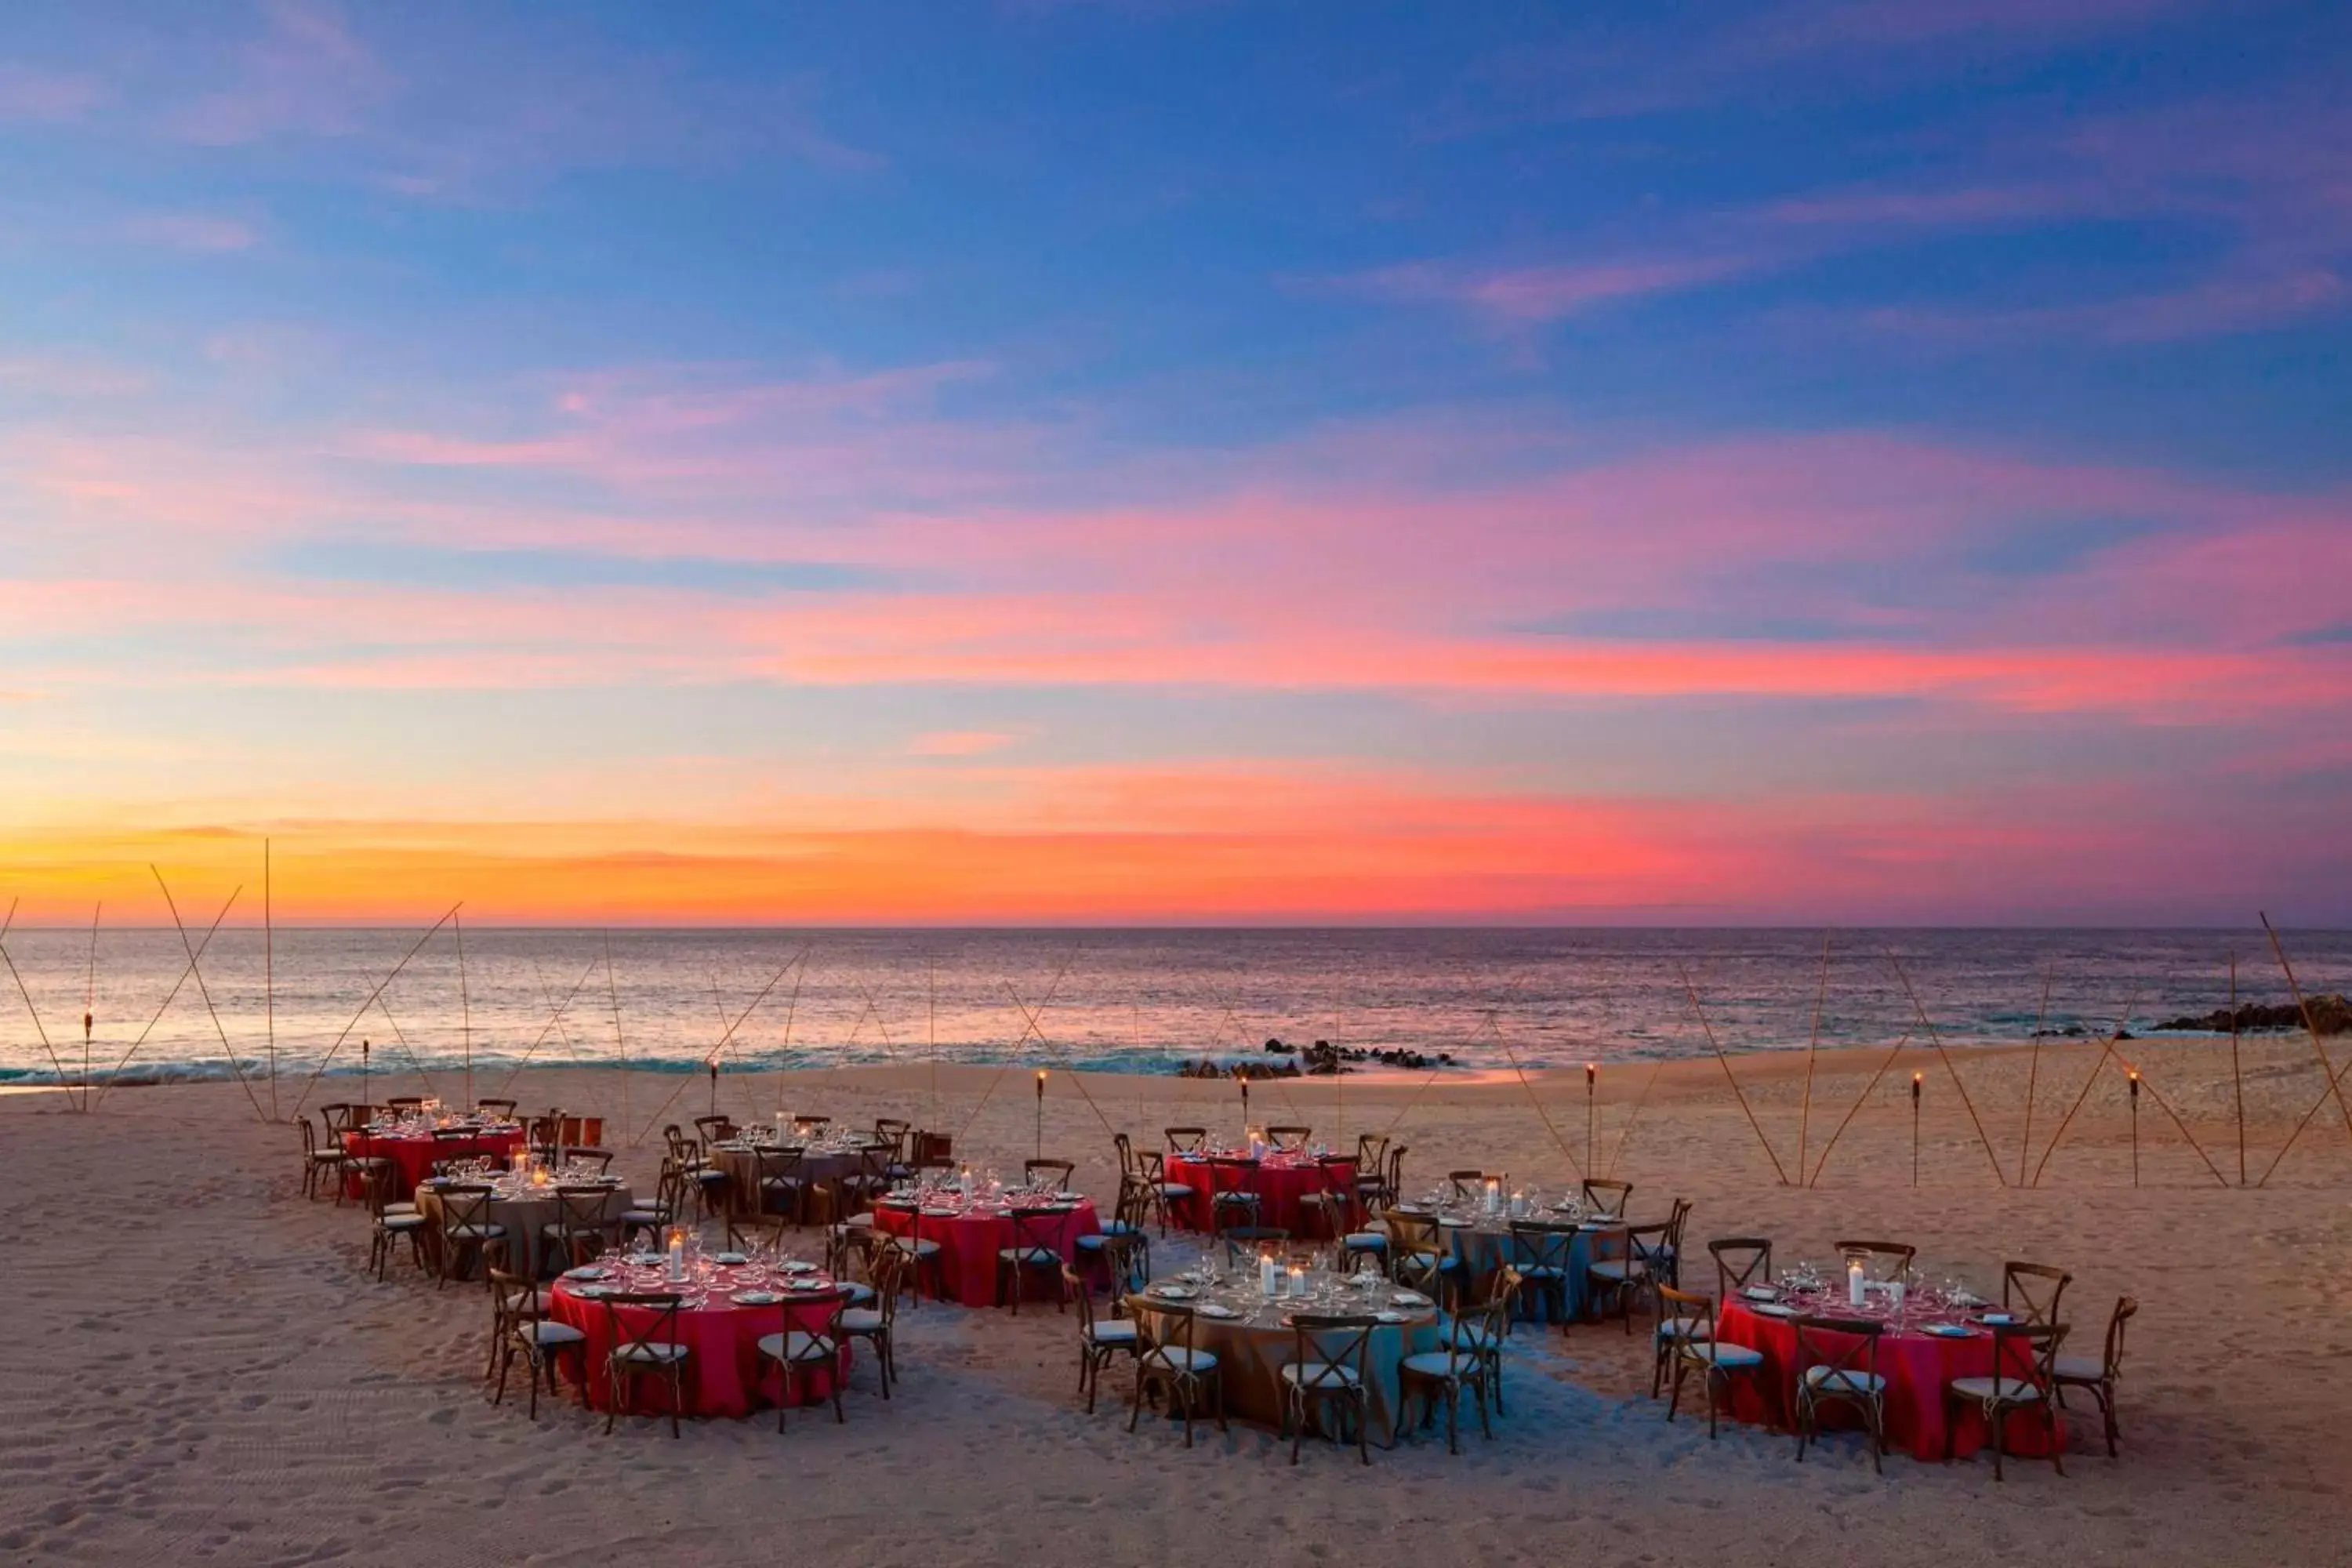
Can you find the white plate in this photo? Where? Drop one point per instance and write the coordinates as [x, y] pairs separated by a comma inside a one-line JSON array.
[[728, 1258], [1449, 1223], [1950, 1330], [1388, 1315], [589, 1272], [1776, 1309], [2001, 1319], [938, 1213], [755, 1297], [1173, 1292], [1760, 1292], [1211, 1310], [794, 1265], [1409, 1298], [592, 1292]]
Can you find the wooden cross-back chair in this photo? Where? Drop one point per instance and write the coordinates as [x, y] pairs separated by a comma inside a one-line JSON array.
[[1330, 1368], [1687, 1343], [1883, 1260], [1837, 1363]]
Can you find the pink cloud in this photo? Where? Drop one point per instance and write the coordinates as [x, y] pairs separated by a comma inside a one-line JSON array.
[[959, 743], [1536, 296], [201, 234], [46, 97]]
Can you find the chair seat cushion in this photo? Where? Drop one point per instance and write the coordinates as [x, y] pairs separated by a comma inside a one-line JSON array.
[[1731, 1358], [400, 1222], [1112, 1332], [1176, 1358], [861, 1320], [2001, 1390], [1437, 1363], [919, 1247], [1471, 1329], [1029, 1257], [1620, 1270], [476, 1233], [534, 1299], [1441, 1261], [1121, 1227], [1319, 1375], [1365, 1241], [781, 1184], [547, 1335], [1174, 1189], [2081, 1369], [1677, 1328], [797, 1346], [644, 1216], [1844, 1379], [856, 1294], [857, 1221], [1541, 1271], [657, 1353]]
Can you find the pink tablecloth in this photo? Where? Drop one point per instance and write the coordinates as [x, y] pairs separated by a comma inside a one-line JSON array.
[[727, 1376], [969, 1243], [1917, 1366], [413, 1157], [1280, 1181]]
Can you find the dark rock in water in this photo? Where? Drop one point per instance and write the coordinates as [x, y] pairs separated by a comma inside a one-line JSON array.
[[2330, 1014], [2126, 1034], [1275, 1047]]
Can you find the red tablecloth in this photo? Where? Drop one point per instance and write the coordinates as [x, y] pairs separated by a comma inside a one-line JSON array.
[[413, 1156], [969, 1243], [1917, 1366], [1280, 1181], [726, 1376]]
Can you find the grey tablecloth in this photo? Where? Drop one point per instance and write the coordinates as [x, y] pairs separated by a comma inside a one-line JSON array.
[[524, 1218], [1252, 1351]]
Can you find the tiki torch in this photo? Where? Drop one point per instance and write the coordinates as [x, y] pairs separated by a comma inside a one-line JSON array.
[[1041, 1113], [2135, 1125], [1592, 1084], [1917, 1079]]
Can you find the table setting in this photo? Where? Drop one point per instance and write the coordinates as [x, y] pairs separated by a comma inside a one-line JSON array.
[[1244, 1315], [728, 1300], [1282, 1179], [970, 1213], [525, 1201], [1932, 1332], [414, 1142], [1476, 1228]]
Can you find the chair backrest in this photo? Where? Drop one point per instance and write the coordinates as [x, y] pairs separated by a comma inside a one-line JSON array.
[[2127, 1309], [2032, 1289], [1186, 1139], [1842, 1344], [1235, 1173], [1607, 1198], [893, 1132], [463, 1205], [1415, 1232], [1152, 1166], [2028, 1351], [1163, 1326], [1676, 1220], [658, 1328], [887, 1267], [772, 1165], [807, 1126], [405, 1102], [1467, 1184], [1475, 1334], [1648, 1243], [337, 1115], [381, 1187], [1505, 1288], [934, 1149], [496, 1106], [1129, 1259], [545, 1131], [713, 1129], [1036, 1228], [670, 1190], [1126, 1147], [452, 1135], [1696, 1310], [1371, 1150], [680, 1145], [1290, 1137], [1536, 1244], [1061, 1171], [1884, 1259], [1332, 1353], [1393, 1182], [514, 1303], [1738, 1260], [309, 1137], [600, 1158], [1074, 1287], [582, 1211]]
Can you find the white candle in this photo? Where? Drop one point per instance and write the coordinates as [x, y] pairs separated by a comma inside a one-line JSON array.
[[677, 1255], [1299, 1284], [1268, 1280], [1853, 1282]]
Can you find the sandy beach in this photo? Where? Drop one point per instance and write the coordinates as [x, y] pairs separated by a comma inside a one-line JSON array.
[[199, 1368]]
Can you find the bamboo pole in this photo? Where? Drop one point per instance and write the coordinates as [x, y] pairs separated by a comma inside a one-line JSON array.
[[90, 1012], [1071, 1069], [1729, 1077], [2326, 1068], [464, 1013], [784, 1051], [1946, 1058], [1860, 1100], [2237, 1078], [2333, 1086], [554, 1020], [65, 1082], [990, 1092], [1543, 1115], [2033, 1074], [2067, 1120], [620, 1040], [1626, 1132], [1812, 1050], [328, 1061], [684, 1079], [2140, 1078], [168, 998], [205, 991], [406, 1049], [269, 977]]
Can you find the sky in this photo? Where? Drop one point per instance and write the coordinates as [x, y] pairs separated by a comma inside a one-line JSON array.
[[1053, 462]]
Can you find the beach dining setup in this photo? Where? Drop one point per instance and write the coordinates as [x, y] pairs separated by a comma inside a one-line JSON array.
[[1260, 1276]]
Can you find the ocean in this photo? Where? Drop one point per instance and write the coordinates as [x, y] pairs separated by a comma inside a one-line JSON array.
[[1135, 1000]]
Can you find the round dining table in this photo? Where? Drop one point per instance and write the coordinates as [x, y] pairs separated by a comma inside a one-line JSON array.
[[1253, 1340], [820, 1165], [972, 1232], [1481, 1245], [726, 1376], [1917, 1362], [1281, 1179], [412, 1153], [525, 1208]]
